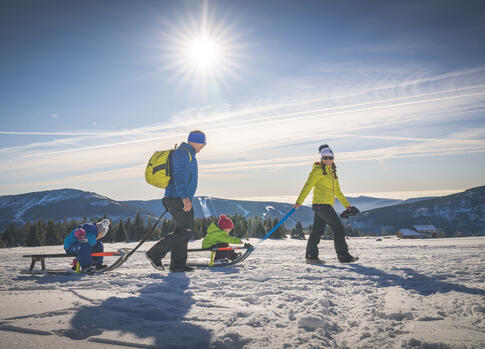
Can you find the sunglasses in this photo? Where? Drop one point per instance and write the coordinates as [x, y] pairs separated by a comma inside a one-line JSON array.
[[327, 157]]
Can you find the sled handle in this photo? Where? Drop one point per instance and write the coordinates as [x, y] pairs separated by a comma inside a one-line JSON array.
[[274, 228]]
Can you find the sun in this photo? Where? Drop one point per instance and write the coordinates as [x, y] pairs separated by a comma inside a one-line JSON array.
[[203, 50], [204, 53]]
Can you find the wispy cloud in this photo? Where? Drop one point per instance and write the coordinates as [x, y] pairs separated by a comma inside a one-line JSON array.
[[267, 135]]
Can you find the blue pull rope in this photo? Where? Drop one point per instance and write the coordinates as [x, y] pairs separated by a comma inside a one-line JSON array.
[[274, 228]]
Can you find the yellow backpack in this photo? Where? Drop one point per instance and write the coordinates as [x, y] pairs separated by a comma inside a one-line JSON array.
[[157, 172]]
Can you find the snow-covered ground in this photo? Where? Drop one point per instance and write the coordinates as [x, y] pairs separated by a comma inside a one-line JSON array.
[[401, 294]]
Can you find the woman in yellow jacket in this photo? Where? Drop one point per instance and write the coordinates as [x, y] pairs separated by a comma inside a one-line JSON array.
[[324, 182]]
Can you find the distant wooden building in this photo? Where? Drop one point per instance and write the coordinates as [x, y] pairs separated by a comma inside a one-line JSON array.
[[411, 234], [427, 229]]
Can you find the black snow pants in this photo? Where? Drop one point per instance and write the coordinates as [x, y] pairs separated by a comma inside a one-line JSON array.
[[325, 214], [229, 254], [176, 241]]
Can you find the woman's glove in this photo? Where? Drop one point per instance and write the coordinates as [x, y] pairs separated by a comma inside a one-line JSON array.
[[81, 235], [350, 211]]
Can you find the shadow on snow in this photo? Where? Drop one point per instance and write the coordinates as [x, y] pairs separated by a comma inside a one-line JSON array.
[[157, 315], [412, 280]]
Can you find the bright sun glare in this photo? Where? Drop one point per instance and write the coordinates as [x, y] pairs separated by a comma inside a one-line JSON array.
[[202, 51]]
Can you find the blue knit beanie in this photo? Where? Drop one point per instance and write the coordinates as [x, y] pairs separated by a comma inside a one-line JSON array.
[[196, 137]]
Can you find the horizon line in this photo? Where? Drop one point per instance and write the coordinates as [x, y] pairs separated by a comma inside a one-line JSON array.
[[290, 199]]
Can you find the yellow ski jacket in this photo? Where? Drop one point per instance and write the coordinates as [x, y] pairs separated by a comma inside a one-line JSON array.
[[325, 187]]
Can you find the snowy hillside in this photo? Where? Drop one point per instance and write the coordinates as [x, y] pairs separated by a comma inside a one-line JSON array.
[[72, 204], [75, 204], [463, 212], [402, 294], [62, 204], [366, 203], [206, 206]]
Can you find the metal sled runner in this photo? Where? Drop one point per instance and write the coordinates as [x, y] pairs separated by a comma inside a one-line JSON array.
[[237, 260], [121, 253]]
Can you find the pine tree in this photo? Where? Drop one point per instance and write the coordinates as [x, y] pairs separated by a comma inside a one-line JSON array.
[[328, 233], [51, 237], [40, 227], [138, 229], [149, 227], [120, 232], [257, 228], [129, 228], [280, 232], [240, 226], [11, 237], [198, 228], [69, 227], [166, 228], [60, 231], [32, 237], [297, 232], [268, 224]]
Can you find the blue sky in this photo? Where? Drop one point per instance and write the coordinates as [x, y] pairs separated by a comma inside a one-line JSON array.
[[89, 90]]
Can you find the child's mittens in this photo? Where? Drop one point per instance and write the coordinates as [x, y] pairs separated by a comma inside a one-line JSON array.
[[81, 235], [248, 246]]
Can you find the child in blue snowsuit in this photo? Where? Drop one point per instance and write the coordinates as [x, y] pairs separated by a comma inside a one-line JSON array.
[[84, 240]]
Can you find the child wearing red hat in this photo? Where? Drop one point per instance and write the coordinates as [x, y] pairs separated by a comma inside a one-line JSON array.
[[218, 236]]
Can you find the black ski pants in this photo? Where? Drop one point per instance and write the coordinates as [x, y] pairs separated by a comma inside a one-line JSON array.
[[325, 214], [229, 254], [176, 241]]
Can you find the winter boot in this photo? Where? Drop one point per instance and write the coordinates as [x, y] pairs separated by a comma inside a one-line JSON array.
[[314, 261], [219, 261], [157, 264], [89, 270], [100, 266], [347, 258], [75, 265], [187, 268]]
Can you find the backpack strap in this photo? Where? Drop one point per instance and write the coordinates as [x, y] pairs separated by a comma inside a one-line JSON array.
[[190, 156], [169, 160]]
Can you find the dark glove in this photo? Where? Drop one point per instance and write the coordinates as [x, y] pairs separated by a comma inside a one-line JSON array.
[[248, 246], [350, 211]]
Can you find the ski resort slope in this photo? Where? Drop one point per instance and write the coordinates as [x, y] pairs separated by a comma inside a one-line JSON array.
[[401, 294]]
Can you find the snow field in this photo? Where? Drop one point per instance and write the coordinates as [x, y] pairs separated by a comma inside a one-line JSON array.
[[401, 294]]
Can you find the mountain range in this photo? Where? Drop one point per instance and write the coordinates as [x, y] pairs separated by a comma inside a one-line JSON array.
[[462, 213], [458, 212], [72, 204]]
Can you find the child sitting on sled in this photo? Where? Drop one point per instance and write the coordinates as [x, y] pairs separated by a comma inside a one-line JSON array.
[[84, 240], [218, 236]]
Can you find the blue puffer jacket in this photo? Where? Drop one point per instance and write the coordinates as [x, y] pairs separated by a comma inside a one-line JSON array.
[[184, 173], [91, 234]]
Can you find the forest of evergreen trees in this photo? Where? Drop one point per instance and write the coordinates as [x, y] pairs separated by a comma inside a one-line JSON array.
[[42, 233]]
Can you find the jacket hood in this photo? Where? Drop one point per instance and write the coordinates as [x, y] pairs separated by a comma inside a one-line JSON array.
[[187, 147], [319, 165], [213, 227]]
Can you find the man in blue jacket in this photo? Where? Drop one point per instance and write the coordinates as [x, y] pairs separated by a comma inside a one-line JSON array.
[[178, 201]]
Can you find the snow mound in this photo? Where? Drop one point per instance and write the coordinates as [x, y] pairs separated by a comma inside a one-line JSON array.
[[311, 323]]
